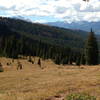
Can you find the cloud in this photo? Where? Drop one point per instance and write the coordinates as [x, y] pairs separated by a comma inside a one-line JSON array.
[[39, 21], [66, 10], [61, 10]]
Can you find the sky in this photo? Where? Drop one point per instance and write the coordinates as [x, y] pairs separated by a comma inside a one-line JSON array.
[[43, 11]]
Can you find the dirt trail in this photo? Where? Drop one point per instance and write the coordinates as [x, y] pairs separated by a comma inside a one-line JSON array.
[[57, 97]]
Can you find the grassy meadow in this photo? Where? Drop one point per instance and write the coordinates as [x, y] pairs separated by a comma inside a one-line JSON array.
[[34, 83]]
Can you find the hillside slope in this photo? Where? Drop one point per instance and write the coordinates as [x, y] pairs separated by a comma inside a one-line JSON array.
[[19, 37], [45, 33]]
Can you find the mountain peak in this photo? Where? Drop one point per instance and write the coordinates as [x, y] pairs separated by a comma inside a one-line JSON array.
[[80, 25]]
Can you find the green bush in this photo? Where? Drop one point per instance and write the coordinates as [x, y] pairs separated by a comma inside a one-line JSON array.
[[1, 69], [80, 97]]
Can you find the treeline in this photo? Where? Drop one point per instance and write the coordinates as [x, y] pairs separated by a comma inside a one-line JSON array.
[[13, 46]]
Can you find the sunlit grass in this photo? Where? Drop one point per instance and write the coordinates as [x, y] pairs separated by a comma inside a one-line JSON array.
[[34, 83]]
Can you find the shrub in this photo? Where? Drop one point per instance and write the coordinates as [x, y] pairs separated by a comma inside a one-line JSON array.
[[80, 97], [1, 69], [30, 60]]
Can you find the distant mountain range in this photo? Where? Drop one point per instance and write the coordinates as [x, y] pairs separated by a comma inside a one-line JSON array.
[[82, 25]]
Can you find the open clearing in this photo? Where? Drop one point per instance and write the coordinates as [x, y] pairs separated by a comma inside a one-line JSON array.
[[34, 83]]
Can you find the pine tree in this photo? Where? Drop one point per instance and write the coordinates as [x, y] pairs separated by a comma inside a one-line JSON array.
[[78, 61], [91, 50], [70, 60], [64, 61], [57, 59], [82, 60]]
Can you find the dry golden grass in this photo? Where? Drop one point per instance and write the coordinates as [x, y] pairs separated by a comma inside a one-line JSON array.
[[34, 83]]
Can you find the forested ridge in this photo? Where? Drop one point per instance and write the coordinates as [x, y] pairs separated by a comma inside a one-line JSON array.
[[45, 33], [19, 37]]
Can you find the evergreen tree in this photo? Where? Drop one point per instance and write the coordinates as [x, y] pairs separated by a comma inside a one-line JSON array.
[[82, 60], [57, 59], [70, 60], [64, 61], [78, 61], [91, 50]]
